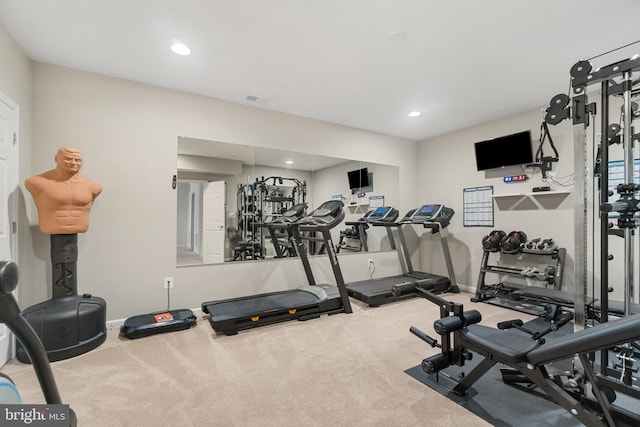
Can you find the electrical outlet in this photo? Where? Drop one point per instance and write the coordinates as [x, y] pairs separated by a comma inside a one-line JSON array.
[[168, 282]]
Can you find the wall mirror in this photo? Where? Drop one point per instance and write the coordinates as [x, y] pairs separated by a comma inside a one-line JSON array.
[[225, 192]]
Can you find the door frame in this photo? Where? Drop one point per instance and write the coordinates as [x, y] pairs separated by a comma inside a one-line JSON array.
[[12, 205]]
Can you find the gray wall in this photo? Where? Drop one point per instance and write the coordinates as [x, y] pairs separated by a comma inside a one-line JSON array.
[[447, 166], [127, 133]]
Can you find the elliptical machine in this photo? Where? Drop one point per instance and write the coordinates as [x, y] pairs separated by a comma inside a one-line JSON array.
[[11, 316]]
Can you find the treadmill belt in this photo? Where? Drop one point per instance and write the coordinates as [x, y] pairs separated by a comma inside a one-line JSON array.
[[261, 304], [383, 284]]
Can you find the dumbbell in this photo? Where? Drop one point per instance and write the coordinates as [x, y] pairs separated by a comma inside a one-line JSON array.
[[546, 245], [513, 242], [492, 241], [533, 243]]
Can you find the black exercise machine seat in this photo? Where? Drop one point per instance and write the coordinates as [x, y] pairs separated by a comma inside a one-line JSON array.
[[601, 336], [510, 345], [524, 350], [515, 346]]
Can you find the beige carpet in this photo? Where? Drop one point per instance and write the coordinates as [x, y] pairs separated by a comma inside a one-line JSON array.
[[340, 370]]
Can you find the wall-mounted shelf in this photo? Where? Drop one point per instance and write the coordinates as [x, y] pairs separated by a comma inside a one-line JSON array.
[[531, 200], [534, 194]]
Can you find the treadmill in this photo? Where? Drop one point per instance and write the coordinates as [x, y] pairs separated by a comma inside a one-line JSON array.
[[359, 227], [307, 302], [283, 244], [376, 292]]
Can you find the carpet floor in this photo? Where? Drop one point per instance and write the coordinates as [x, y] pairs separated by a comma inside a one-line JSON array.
[[344, 370]]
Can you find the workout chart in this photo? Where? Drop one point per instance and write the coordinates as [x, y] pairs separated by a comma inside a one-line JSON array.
[[478, 206]]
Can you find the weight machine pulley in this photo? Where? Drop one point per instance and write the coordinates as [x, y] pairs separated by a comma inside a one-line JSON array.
[[615, 80]]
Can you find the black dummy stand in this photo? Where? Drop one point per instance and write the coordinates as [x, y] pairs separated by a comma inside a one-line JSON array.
[[68, 324], [64, 264]]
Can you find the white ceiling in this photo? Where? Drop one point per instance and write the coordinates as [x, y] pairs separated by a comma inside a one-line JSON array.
[[361, 63]]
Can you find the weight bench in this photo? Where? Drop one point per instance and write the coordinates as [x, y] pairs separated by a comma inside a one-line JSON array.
[[525, 352]]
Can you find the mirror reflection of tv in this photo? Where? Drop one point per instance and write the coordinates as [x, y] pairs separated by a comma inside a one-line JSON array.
[[509, 150], [358, 178]]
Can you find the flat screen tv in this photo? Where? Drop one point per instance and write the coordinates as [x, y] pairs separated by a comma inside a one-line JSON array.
[[358, 178], [509, 150]]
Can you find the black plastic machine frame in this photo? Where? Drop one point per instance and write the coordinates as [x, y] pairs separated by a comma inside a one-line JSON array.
[[529, 354], [307, 302], [376, 292]]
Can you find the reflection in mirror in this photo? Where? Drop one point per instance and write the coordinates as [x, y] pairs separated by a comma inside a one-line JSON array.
[[226, 194]]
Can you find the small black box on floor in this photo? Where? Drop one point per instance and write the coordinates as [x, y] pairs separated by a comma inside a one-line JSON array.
[[67, 326], [155, 323]]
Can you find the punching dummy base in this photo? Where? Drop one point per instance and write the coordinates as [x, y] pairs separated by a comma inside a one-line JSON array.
[[67, 326]]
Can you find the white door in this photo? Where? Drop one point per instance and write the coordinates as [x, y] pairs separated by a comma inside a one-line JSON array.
[[8, 200], [213, 222]]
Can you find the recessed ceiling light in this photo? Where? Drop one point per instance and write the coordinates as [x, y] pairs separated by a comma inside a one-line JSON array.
[[415, 114], [180, 49], [289, 162]]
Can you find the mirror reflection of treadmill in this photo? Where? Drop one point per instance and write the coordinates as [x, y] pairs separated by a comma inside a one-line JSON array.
[[383, 290], [306, 302], [359, 227]]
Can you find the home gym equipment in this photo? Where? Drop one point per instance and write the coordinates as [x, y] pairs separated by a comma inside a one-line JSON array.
[[544, 301], [158, 322], [610, 161], [542, 161], [492, 241], [282, 241], [68, 324], [514, 242], [358, 232], [32, 347], [384, 290], [259, 203], [307, 302], [530, 353]]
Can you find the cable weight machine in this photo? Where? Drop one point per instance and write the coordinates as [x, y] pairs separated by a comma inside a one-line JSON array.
[[263, 201], [615, 82]]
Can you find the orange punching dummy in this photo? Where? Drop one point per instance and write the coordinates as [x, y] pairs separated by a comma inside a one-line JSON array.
[[63, 197]]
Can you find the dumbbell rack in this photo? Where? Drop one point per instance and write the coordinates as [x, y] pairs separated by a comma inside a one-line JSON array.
[[505, 295]]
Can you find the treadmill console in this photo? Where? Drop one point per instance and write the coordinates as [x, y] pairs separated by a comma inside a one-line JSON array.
[[329, 214], [435, 217], [426, 213], [292, 214], [382, 214]]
